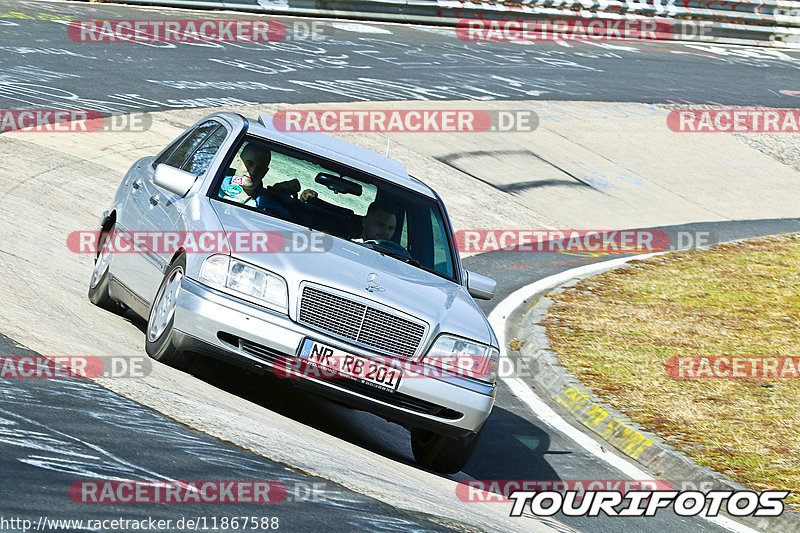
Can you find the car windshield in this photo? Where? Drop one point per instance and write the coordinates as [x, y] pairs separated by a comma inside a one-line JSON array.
[[323, 195]]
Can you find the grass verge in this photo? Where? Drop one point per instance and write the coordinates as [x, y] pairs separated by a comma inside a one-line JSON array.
[[617, 331]]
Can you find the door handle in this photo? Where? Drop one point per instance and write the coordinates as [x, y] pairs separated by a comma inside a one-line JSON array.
[[154, 199], [136, 184]]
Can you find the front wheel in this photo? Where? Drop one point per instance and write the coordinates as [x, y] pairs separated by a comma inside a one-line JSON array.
[[159, 341], [447, 455], [101, 275]]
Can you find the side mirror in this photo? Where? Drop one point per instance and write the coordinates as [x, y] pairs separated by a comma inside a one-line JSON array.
[[480, 287], [174, 180]]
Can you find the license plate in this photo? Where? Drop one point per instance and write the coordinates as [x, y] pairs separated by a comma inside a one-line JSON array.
[[343, 364]]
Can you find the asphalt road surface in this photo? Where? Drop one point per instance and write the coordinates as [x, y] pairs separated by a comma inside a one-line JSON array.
[[54, 433], [52, 430], [42, 66]]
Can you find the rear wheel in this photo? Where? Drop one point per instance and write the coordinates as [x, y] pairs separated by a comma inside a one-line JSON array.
[[441, 453], [99, 283], [159, 340]]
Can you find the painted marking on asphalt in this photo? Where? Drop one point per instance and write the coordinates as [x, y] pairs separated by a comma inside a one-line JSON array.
[[359, 28], [103, 452], [498, 317], [614, 430]]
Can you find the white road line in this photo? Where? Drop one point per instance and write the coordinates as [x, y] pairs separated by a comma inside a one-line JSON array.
[[498, 317], [358, 27]]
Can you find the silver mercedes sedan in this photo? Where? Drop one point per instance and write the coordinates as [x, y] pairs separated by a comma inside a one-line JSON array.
[[311, 258]]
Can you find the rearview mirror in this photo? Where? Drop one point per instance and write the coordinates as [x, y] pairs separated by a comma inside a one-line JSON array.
[[173, 179], [480, 287], [338, 184]]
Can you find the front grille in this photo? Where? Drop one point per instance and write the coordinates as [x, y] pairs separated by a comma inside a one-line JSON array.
[[359, 322]]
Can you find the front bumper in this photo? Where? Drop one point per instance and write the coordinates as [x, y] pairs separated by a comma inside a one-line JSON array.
[[216, 323]]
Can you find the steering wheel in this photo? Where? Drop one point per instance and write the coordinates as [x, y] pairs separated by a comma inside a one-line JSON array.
[[277, 205], [390, 246]]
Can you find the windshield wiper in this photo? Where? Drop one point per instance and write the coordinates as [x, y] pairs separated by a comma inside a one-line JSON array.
[[403, 258], [391, 252]]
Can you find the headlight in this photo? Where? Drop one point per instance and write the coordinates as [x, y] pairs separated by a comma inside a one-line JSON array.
[[246, 281], [464, 358]]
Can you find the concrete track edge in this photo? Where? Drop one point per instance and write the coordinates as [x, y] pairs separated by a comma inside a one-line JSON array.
[[591, 412]]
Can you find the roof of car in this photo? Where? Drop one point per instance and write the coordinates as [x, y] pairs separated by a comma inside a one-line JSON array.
[[341, 151]]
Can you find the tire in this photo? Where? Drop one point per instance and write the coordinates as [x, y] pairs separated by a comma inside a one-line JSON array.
[[159, 333], [101, 275], [443, 454]]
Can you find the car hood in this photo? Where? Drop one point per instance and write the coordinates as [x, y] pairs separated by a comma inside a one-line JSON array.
[[446, 306]]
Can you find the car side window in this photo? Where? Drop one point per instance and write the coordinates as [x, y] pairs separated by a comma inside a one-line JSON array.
[[200, 160], [170, 149], [404, 234], [188, 144], [442, 261]]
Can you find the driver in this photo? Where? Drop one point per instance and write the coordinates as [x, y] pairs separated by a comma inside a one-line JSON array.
[[380, 222]]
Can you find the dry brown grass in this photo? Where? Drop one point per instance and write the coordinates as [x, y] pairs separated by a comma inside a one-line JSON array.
[[616, 331]]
